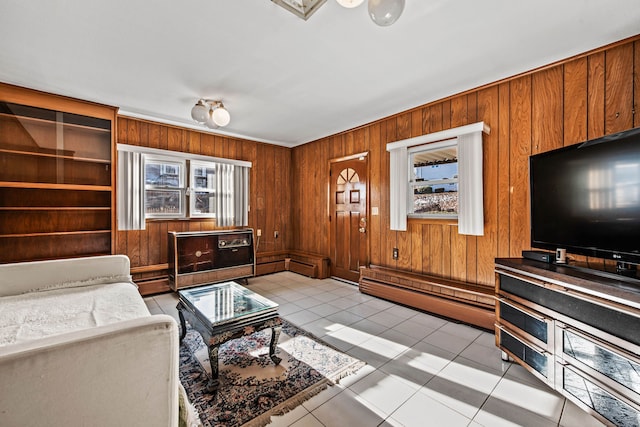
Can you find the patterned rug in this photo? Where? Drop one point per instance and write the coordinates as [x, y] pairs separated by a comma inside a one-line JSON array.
[[252, 388]]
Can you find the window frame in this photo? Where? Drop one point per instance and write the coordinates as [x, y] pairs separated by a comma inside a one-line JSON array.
[[193, 189], [180, 189], [413, 183]]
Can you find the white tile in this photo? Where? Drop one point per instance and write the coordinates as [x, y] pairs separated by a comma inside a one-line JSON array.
[[372, 358], [572, 416], [385, 318], [413, 329], [301, 318], [527, 397], [349, 335], [457, 396], [471, 374], [398, 337], [288, 308], [290, 417], [486, 339], [361, 310], [447, 341], [430, 321], [356, 376], [325, 309], [292, 296], [308, 421], [404, 368], [383, 391], [520, 374], [369, 327], [347, 409], [322, 397], [344, 317], [488, 356], [500, 413], [346, 303], [402, 311], [428, 358], [421, 410], [326, 296], [460, 330], [384, 347], [307, 302], [321, 327], [379, 303]]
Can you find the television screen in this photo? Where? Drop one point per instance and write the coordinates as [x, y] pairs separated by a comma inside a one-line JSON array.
[[586, 198]]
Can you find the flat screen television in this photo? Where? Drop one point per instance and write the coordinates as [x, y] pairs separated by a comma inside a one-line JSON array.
[[586, 198]]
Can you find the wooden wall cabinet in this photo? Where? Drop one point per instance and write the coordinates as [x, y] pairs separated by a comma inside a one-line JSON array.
[[56, 176], [577, 331]]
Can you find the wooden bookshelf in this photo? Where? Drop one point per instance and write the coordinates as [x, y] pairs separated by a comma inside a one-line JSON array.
[[57, 193]]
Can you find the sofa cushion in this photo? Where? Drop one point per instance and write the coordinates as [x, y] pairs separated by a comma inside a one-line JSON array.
[[38, 314]]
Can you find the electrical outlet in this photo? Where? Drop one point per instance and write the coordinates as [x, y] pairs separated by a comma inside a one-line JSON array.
[[395, 253], [275, 234], [258, 232]]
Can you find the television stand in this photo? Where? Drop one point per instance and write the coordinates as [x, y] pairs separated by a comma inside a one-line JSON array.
[[575, 329]]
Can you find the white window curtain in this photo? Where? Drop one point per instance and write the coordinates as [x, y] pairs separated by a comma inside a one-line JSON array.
[[225, 208], [398, 187], [241, 199], [130, 210], [232, 195], [470, 205]]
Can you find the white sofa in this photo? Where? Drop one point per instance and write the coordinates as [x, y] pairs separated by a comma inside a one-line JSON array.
[[78, 347]]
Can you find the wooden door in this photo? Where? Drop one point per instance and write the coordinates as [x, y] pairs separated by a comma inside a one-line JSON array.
[[348, 208]]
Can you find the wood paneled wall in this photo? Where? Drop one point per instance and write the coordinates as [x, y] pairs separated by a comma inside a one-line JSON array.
[[581, 98], [270, 180]]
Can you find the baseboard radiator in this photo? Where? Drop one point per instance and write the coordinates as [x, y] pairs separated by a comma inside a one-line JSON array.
[[465, 302]]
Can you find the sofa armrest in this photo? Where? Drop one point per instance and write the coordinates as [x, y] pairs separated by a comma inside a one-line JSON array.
[[125, 373], [23, 277]]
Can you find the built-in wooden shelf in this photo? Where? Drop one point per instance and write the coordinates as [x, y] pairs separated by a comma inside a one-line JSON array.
[[57, 197]]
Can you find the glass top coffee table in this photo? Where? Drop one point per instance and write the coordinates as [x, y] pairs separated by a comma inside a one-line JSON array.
[[226, 311]]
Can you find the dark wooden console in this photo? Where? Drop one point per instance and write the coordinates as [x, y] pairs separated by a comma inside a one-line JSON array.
[[576, 330], [198, 258], [469, 303]]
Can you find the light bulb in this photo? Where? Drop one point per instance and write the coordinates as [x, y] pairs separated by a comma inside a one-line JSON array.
[[385, 12], [199, 112], [349, 4], [221, 116], [210, 122]]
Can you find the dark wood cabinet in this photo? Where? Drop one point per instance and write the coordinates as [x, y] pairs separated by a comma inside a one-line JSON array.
[[56, 176], [575, 329], [198, 258]]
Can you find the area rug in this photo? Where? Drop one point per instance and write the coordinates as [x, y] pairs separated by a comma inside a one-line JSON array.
[[252, 388]]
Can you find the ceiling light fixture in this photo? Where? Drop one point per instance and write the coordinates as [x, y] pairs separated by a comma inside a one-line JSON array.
[[385, 12], [301, 8], [210, 113], [350, 4]]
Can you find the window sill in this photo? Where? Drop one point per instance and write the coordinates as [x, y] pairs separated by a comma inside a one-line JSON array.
[[432, 220]]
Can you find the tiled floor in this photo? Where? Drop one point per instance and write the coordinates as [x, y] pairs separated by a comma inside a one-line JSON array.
[[421, 370]]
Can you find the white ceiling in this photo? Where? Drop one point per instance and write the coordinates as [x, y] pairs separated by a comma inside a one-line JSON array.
[[284, 80]]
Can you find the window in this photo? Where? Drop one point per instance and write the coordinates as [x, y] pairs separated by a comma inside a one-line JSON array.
[[202, 190], [161, 184], [164, 187], [433, 181], [438, 175]]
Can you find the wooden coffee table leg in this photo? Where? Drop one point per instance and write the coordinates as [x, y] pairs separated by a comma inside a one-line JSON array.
[[183, 324], [275, 334], [213, 361]]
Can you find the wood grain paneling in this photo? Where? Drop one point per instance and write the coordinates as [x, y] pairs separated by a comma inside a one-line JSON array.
[[581, 98], [270, 181]]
